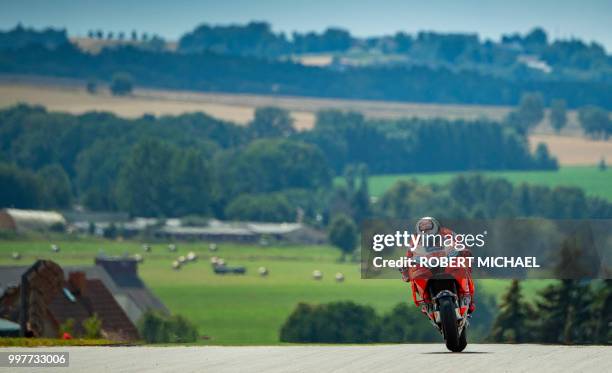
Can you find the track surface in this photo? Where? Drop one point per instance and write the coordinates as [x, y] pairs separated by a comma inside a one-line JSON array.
[[377, 358]]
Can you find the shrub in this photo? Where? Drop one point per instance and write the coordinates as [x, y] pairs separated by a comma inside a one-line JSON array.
[[340, 322], [91, 86], [121, 84], [155, 327], [92, 327], [405, 324]]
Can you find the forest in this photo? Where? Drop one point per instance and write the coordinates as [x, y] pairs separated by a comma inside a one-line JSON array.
[[267, 170]]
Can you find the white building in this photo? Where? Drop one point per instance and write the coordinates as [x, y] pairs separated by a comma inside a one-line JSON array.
[[30, 220]]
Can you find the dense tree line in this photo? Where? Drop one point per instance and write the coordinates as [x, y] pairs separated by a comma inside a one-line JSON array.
[[22, 188], [195, 164], [20, 37], [349, 322], [97, 151], [567, 311], [416, 145], [165, 166], [252, 39], [206, 71], [573, 310], [159, 180], [567, 59], [257, 39], [115, 163]]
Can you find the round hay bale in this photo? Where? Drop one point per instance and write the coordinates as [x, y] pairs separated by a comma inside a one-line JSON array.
[[263, 271], [339, 277], [191, 256], [139, 258], [176, 265], [214, 260], [317, 275], [181, 259], [16, 255], [55, 248], [212, 247], [172, 247]]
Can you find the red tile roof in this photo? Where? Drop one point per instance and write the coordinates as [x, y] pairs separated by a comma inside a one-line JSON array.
[[94, 299], [114, 319]]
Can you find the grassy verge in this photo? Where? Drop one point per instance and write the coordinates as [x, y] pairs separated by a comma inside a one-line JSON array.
[[42, 342]]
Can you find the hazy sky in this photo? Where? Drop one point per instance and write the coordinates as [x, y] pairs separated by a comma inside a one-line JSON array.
[[587, 19]]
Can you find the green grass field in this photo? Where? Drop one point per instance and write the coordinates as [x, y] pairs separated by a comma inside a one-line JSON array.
[[591, 179], [239, 310]]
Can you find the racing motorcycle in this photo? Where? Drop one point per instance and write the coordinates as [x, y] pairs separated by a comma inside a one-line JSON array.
[[443, 295]]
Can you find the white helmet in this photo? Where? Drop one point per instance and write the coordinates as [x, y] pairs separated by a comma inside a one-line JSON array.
[[427, 225]]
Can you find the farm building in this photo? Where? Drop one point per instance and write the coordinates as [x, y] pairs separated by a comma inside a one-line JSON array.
[[42, 299], [78, 216], [124, 226], [289, 232], [30, 220], [244, 232], [225, 233]]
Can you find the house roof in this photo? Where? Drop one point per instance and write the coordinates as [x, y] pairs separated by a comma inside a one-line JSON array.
[[87, 217], [124, 285], [217, 227], [274, 228], [61, 309], [127, 289], [218, 230], [10, 276], [57, 299], [98, 297], [96, 300], [112, 315]]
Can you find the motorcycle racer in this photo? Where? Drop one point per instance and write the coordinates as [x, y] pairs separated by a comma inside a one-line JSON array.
[[431, 226]]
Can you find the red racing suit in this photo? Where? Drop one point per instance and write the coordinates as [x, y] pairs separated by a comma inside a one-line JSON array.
[[406, 277]]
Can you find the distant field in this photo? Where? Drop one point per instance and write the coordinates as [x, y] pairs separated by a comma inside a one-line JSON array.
[[573, 150], [70, 96], [591, 179], [240, 310]]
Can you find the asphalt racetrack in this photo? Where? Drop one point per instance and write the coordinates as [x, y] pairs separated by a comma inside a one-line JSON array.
[[325, 358]]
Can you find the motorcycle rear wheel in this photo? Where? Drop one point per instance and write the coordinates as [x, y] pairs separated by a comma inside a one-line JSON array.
[[462, 340], [454, 341]]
